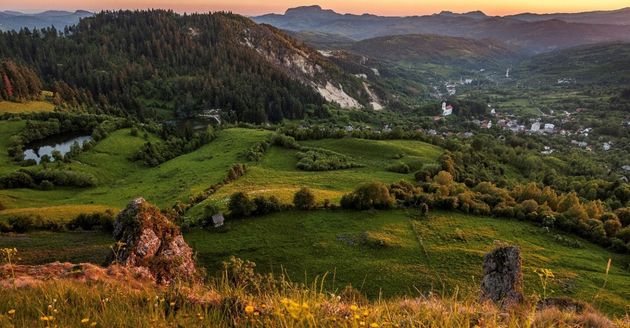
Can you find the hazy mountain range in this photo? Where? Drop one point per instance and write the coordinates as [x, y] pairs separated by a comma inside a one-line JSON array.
[[14, 20], [534, 33]]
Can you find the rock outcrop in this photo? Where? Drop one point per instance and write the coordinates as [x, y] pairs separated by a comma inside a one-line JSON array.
[[502, 276], [148, 240]]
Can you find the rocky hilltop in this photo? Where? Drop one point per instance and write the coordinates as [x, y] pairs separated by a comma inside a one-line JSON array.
[[149, 241]]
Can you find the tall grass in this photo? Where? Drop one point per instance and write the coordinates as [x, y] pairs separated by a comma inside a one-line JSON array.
[[243, 298]]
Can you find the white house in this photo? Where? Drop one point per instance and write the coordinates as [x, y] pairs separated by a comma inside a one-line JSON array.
[[549, 127], [535, 127], [446, 109]]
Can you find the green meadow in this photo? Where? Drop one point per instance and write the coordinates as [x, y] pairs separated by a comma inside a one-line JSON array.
[[381, 253]]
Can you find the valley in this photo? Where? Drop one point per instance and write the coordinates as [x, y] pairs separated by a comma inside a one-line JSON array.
[[309, 164]]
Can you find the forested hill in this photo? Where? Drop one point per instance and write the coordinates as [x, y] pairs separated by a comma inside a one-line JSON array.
[[148, 62]]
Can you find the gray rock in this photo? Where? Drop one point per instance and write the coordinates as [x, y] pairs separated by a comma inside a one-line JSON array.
[[502, 276], [149, 240]]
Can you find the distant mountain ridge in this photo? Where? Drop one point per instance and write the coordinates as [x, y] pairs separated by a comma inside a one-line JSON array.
[[610, 17], [14, 20], [537, 35]]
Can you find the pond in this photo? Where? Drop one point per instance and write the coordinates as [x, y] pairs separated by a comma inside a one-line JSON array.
[[62, 143]]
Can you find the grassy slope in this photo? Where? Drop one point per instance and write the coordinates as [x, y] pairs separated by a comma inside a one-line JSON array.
[[428, 255], [277, 174], [26, 107], [319, 242], [121, 180], [8, 129]]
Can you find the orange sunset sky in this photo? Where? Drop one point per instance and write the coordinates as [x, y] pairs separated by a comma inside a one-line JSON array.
[[382, 7]]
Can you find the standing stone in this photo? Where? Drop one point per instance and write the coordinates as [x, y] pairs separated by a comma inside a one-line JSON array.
[[149, 241], [502, 276]]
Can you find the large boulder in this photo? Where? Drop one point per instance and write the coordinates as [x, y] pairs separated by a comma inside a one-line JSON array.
[[149, 241], [502, 276]]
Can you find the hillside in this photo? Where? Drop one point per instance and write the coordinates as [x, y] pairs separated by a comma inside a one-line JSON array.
[[434, 49], [536, 36], [382, 253], [607, 64], [189, 63]]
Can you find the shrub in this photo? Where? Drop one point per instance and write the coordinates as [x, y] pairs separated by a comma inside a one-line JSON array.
[[367, 196], [19, 179], [21, 224], [5, 227], [46, 185], [324, 160], [240, 205], [617, 245], [267, 205], [427, 172], [612, 227], [624, 216], [88, 222], [624, 234], [304, 199], [399, 167], [84, 221], [443, 178]]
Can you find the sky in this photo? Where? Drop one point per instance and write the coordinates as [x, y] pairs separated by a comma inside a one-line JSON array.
[[380, 7]]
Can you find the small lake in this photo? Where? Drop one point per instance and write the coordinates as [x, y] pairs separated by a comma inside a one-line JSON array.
[[36, 150]]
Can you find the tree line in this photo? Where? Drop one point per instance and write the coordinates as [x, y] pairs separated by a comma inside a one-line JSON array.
[[138, 62]]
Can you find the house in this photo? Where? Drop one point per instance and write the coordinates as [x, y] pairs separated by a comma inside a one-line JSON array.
[[549, 127], [607, 146], [446, 109], [535, 127], [218, 220]]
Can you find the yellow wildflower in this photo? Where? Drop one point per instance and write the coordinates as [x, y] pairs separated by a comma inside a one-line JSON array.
[[362, 323], [353, 307], [85, 320], [366, 313], [374, 325], [93, 324], [249, 309], [172, 304], [11, 312]]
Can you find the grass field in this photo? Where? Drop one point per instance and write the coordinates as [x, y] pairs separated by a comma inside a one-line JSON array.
[[277, 174], [26, 107], [440, 254], [121, 180]]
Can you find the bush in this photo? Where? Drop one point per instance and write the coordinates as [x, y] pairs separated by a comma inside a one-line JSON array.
[[46, 185], [368, 196], [624, 216], [324, 160], [240, 205], [624, 234], [5, 227], [612, 227], [19, 179], [21, 224], [399, 167], [267, 205], [304, 199], [88, 222]]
